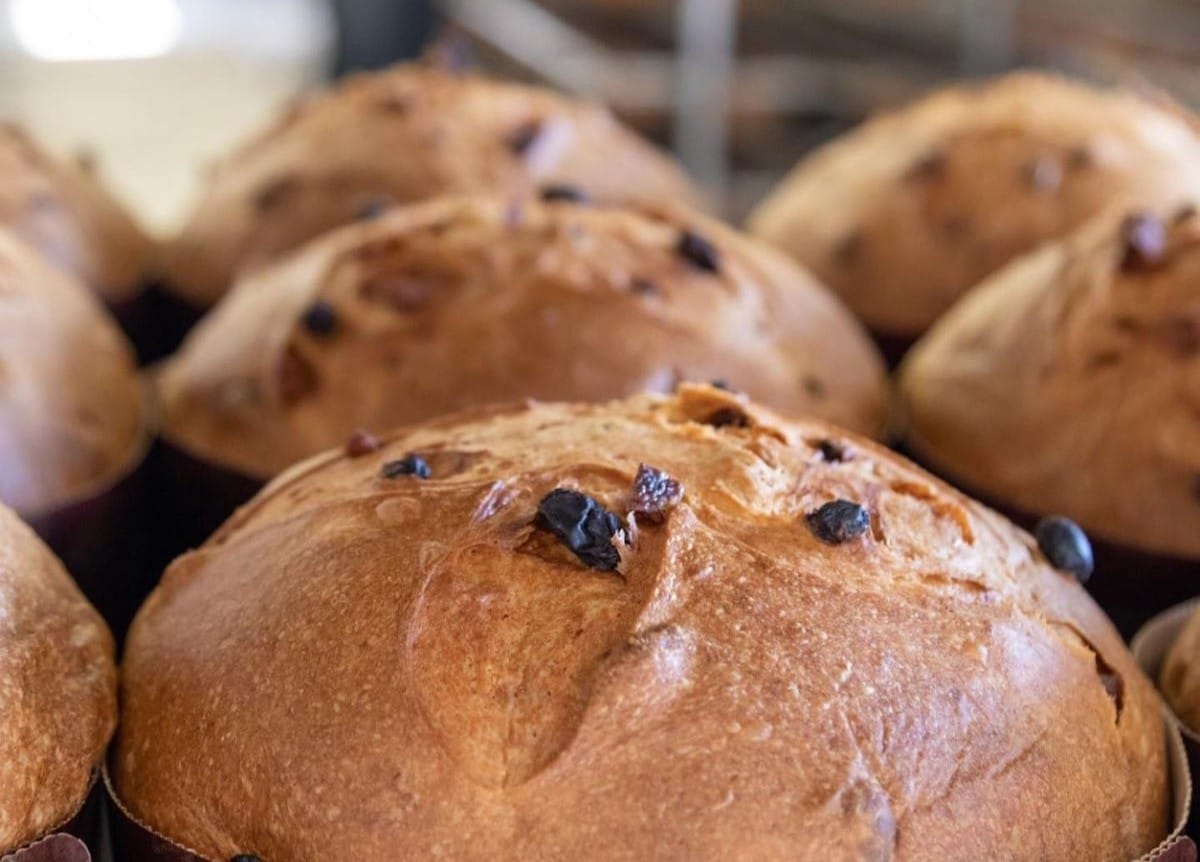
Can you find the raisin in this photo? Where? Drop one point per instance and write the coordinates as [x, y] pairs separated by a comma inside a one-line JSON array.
[[838, 521], [1066, 546], [583, 525], [643, 286], [930, 166], [320, 319], [523, 137], [373, 208], [699, 252], [654, 491], [561, 192], [1080, 157], [1145, 240], [831, 451], [273, 193], [410, 465], [728, 417], [361, 443], [848, 249]]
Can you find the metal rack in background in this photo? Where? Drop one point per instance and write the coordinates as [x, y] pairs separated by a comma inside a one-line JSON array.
[[741, 88]]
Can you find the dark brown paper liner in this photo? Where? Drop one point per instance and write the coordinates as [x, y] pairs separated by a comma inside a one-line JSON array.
[[1150, 647], [134, 841], [893, 347], [162, 321], [102, 541], [77, 840], [190, 499], [1130, 585]]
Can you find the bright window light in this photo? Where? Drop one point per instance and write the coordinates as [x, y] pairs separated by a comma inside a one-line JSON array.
[[65, 30]]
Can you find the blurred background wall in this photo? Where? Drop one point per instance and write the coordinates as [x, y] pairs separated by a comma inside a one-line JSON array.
[[153, 89]]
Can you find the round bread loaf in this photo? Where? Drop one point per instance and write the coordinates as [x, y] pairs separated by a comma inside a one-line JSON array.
[[904, 214], [463, 301], [1069, 382], [58, 689], [675, 626], [402, 135], [72, 418], [60, 210], [1179, 677]]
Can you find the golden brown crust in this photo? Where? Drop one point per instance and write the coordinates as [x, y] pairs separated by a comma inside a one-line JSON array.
[[58, 688], [464, 301], [1179, 677], [403, 135], [356, 664], [72, 417], [70, 219], [1069, 383], [904, 214]]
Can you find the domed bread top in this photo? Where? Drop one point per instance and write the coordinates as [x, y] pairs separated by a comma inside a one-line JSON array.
[[1179, 677], [61, 211], [673, 626], [403, 135], [1069, 383], [904, 214], [465, 301], [72, 417], [58, 689]]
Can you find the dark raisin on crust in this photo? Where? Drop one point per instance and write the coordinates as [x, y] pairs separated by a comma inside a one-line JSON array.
[[928, 167], [1144, 240], [373, 208], [1196, 487], [361, 443], [838, 521], [1184, 213], [273, 193], [245, 857], [561, 192], [1066, 546], [955, 227], [728, 417], [831, 451], [583, 525], [643, 286], [813, 387], [699, 252], [849, 248], [411, 464], [654, 492], [522, 138], [722, 384], [320, 319], [1080, 157]]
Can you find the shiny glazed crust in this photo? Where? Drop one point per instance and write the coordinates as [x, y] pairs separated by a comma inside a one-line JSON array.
[[464, 301], [905, 213], [406, 134], [1069, 383], [58, 688], [363, 667]]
